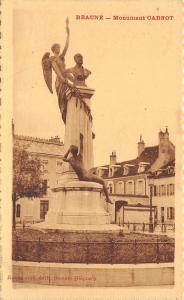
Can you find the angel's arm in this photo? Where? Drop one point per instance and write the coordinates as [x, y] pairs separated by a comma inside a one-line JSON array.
[[67, 39]]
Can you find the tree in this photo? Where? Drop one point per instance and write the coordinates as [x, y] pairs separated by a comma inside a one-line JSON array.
[[27, 176]]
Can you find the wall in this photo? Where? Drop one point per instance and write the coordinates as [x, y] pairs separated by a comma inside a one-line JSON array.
[[164, 200], [50, 155], [94, 275]]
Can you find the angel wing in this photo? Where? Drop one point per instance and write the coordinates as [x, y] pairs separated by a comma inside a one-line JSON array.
[[47, 70]]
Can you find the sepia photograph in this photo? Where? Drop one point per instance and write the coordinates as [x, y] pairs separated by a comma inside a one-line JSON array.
[[91, 139]]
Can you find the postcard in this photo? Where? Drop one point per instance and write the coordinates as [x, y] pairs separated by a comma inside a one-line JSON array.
[[91, 139]]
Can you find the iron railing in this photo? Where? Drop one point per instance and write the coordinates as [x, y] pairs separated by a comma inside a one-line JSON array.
[[160, 227]]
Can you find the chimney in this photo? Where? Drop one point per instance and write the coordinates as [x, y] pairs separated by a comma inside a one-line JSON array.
[[113, 158], [141, 146], [164, 144]]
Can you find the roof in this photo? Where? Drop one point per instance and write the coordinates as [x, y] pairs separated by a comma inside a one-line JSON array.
[[169, 164], [55, 140], [44, 147], [167, 170], [149, 155]]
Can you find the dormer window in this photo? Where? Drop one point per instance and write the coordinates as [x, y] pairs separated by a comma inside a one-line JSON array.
[[158, 172], [126, 169], [112, 169], [170, 170], [142, 166], [111, 172], [100, 171]]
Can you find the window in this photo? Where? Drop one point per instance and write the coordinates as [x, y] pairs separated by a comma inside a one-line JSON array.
[[44, 166], [162, 215], [45, 162], [159, 190], [58, 166], [125, 170], [120, 187], [59, 163], [44, 206], [129, 187], [140, 187], [141, 168], [156, 214], [110, 188], [18, 211], [168, 190], [170, 170], [163, 190], [171, 189], [111, 172], [44, 186], [170, 213], [155, 190]]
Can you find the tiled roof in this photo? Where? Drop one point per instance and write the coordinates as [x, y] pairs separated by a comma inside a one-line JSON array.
[[169, 164], [167, 170], [149, 155]]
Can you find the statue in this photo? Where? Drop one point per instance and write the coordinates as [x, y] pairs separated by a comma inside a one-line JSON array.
[[57, 63], [68, 82], [77, 195], [78, 71], [65, 79], [76, 162]]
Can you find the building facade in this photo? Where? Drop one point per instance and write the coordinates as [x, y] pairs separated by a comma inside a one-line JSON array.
[[130, 182], [50, 153]]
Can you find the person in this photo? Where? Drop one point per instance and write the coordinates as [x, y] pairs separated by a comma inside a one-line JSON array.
[[76, 162]]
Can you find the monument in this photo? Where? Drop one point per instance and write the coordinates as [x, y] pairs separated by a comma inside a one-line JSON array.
[[77, 199]]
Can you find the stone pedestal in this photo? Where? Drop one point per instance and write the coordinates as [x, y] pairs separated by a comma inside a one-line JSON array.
[[78, 130], [78, 203]]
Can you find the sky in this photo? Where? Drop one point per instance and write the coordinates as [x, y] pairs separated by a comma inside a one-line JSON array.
[[135, 69]]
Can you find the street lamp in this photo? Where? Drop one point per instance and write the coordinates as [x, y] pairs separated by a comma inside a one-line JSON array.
[[151, 186]]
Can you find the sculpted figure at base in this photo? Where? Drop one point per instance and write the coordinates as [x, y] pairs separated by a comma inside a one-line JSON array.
[[76, 162]]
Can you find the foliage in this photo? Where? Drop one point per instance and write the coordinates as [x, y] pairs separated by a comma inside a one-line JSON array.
[[27, 176], [27, 171]]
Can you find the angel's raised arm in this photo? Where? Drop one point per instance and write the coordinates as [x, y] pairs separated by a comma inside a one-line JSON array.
[[67, 39]]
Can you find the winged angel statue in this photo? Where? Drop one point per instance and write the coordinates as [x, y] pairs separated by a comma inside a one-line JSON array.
[[64, 78]]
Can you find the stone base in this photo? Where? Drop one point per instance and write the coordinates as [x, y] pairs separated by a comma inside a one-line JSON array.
[[78, 218], [78, 203], [107, 228]]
